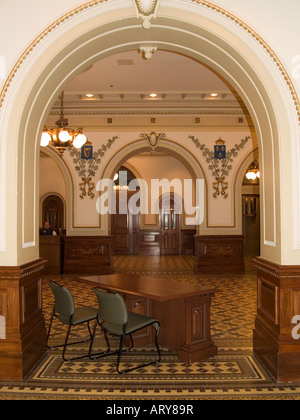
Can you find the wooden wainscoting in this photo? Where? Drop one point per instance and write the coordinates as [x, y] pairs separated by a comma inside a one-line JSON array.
[[277, 304], [21, 306], [88, 255], [149, 242], [219, 254], [188, 241]]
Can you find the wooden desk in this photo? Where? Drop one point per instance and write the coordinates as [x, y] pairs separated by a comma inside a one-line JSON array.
[[182, 309]]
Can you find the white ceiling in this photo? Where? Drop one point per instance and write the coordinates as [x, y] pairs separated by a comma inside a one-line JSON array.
[[130, 72], [125, 81]]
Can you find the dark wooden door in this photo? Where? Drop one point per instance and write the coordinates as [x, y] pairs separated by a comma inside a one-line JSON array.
[[125, 229], [170, 230], [53, 212]]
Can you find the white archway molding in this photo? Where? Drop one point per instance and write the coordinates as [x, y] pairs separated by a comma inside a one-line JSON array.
[[86, 38]]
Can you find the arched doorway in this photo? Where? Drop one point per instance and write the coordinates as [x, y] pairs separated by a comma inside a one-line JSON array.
[[125, 227], [53, 210], [229, 50], [251, 216]]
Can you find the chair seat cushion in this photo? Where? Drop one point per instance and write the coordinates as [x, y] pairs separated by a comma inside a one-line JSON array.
[[135, 323], [84, 314]]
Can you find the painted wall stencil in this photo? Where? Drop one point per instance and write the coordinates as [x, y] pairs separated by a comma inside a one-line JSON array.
[[87, 164], [220, 162]]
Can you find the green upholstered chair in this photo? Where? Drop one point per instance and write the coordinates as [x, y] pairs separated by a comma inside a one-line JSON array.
[[64, 309], [114, 318]]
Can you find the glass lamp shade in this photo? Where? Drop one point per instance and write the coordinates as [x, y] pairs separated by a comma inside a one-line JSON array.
[[45, 139], [251, 175], [79, 141], [64, 136]]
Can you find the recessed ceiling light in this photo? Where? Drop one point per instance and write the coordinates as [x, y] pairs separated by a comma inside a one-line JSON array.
[[214, 95], [89, 95], [153, 95]]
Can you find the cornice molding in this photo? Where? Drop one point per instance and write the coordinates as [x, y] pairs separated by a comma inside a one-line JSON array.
[[193, 112]]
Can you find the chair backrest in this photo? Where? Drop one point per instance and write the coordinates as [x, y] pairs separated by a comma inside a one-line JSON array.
[[112, 307], [64, 302]]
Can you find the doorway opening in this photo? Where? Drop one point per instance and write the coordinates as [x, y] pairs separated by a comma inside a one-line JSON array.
[[170, 223], [53, 212], [125, 228], [251, 217], [165, 230]]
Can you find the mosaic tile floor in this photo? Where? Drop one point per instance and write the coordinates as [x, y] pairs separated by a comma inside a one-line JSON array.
[[233, 374]]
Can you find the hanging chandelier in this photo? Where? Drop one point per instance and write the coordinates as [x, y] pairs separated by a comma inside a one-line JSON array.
[[253, 171], [62, 136]]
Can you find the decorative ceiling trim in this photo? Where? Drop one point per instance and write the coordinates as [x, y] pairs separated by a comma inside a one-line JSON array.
[[202, 3], [155, 111]]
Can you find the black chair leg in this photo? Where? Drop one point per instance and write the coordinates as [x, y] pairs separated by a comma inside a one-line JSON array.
[[157, 345], [139, 366], [50, 326], [94, 356], [122, 340], [66, 344], [108, 352]]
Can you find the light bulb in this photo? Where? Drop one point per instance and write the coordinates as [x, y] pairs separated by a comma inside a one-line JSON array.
[[64, 136], [79, 141], [251, 175], [45, 139]]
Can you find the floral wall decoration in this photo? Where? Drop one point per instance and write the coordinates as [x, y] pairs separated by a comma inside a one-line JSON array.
[[87, 168], [220, 167]]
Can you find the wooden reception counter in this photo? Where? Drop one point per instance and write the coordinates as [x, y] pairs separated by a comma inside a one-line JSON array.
[[52, 250], [182, 309]]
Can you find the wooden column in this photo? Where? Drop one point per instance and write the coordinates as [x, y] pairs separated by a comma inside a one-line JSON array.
[[25, 340], [278, 302]]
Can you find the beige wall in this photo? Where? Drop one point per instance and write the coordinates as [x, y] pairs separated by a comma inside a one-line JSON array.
[[222, 216]]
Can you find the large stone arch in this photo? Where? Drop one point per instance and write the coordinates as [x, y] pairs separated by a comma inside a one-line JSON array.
[[199, 30]]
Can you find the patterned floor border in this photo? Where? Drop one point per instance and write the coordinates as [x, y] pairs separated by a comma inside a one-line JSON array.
[[54, 379]]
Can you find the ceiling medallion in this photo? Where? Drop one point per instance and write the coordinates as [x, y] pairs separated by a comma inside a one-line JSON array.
[[147, 10]]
